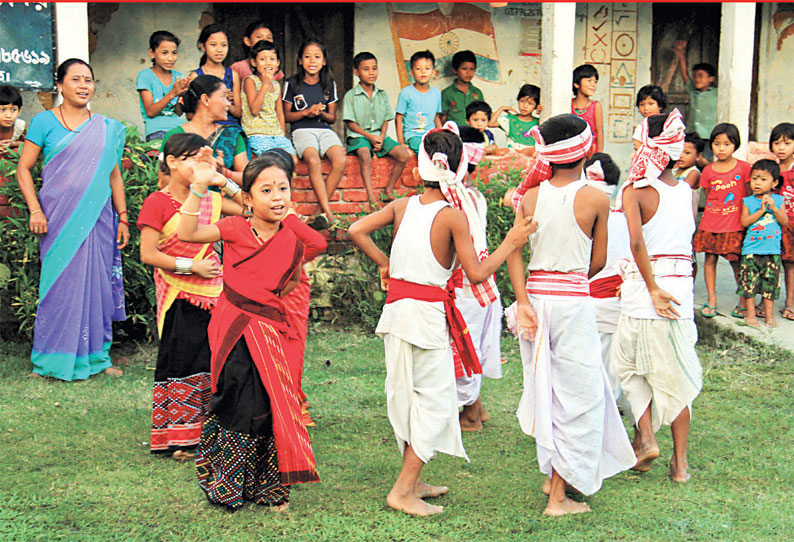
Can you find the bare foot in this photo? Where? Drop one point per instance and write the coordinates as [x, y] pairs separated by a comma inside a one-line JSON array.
[[566, 506], [424, 490], [470, 418], [644, 457], [412, 505], [182, 455], [569, 489], [484, 414], [678, 474], [752, 321], [280, 508], [770, 322], [113, 371], [35, 375], [390, 196]]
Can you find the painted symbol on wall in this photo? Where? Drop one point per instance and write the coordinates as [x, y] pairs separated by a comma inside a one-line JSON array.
[[598, 56], [624, 45], [621, 100], [448, 43], [622, 76], [783, 21]]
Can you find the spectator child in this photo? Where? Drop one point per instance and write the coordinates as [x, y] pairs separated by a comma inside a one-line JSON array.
[[263, 110], [478, 115], [781, 143], [310, 107], [720, 232], [517, 124], [651, 100], [702, 93], [12, 128], [585, 83], [457, 96], [160, 86], [367, 114], [764, 216], [419, 104], [254, 32], [686, 167], [214, 43]]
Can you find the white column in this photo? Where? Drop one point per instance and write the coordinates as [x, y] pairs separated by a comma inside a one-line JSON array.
[[71, 30], [557, 32], [735, 72]]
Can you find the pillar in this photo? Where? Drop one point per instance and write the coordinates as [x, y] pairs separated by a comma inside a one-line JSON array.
[[71, 30], [557, 33]]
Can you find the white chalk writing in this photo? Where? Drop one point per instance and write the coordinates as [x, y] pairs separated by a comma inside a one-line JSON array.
[[15, 56]]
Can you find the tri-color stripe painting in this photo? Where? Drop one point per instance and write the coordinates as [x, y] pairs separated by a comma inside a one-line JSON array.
[[419, 27]]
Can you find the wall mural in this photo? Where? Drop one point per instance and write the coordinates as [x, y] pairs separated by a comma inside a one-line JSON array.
[[783, 21], [444, 29]]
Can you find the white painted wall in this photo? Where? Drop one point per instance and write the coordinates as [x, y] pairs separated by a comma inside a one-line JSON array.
[[775, 103]]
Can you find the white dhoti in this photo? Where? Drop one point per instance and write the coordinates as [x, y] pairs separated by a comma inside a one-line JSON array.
[[420, 397], [567, 403], [607, 316], [657, 364], [474, 314]]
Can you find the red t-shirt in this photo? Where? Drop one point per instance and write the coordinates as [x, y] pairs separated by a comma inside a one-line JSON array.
[[786, 190], [157, 209], [724, 203]]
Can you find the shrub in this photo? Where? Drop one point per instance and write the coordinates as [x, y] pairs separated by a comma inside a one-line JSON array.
[[21, 250]]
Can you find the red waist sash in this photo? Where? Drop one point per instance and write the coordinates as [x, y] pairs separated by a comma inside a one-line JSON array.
[[606, 287], [458, 330]]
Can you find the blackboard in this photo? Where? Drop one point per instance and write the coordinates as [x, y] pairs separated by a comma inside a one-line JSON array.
[[27, 56]]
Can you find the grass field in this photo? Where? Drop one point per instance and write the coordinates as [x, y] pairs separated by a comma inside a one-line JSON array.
[[74, 462]]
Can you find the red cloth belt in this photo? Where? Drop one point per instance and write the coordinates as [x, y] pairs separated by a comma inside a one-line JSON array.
[[458, 330], [606, 287]]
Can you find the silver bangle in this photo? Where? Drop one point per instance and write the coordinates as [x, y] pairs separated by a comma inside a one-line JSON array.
[[184, 266], [231, 188]]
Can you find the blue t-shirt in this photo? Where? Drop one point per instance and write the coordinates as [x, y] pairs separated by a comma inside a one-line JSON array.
[[419, 110], [308, 95], [167, 119], [763, 236]]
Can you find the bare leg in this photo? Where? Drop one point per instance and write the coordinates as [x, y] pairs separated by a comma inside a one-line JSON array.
[[788, 270], [710, 275], [312, 158], [365, 161], [750, 313], [402, 496], [470, 417], [645, 446], [769, 307], [423, 490], [336, 155], [400, 157], [742, 303], [678, 465], [559, 503]]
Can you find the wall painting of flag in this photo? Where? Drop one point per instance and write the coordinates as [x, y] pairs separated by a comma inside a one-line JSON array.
[[419, 27]]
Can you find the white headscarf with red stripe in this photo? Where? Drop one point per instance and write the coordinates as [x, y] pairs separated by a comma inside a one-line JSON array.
[[566, 151], [436, 169], [651, 159]]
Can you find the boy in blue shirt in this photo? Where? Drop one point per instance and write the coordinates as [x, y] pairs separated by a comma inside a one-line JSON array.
[[764, 216], [367, 114], [419, 105]]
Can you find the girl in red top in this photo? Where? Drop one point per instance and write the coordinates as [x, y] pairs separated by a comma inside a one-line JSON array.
[[781, 143], [585, 83], [720, 232]]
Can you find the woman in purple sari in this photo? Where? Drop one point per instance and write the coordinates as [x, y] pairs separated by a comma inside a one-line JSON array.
[[81, 219]]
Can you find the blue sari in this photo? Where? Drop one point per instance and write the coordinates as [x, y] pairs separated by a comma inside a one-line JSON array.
[[81, 291]]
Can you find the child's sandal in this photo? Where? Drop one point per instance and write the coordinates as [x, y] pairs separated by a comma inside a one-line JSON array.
[[738, 312], [708, 314]]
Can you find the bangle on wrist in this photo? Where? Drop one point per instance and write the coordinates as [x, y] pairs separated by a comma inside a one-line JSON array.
[[231, 188], [204, 195], [124, 222], [184, 266], [36, 211], [188, 213], [123, 213]]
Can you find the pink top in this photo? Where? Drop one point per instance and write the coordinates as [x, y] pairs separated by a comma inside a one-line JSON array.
[[724, 203], [589, 116], [243, 70]]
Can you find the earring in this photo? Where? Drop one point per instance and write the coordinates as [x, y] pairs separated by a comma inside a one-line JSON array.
[[248, 210]]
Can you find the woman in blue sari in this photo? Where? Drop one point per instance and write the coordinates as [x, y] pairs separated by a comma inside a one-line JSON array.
[[80, 216]]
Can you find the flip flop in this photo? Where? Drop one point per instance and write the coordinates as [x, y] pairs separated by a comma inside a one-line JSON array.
[[738, 312], [788, 314], [706, 314]]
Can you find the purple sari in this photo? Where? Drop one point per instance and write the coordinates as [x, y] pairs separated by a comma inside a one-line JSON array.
[[81, 290]]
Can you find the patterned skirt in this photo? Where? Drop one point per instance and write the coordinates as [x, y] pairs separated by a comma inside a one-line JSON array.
[[787, 242], [181, 379], [726, 244], [236, 459]]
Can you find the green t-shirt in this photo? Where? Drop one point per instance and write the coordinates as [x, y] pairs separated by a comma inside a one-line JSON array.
[[702, 109], [454, 102], [240, 146], [517, 130]]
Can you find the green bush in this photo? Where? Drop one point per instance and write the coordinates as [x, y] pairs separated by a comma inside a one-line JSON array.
[[21, 248]]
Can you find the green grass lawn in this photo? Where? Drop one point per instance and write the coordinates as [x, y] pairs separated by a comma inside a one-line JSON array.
[[74, 462]]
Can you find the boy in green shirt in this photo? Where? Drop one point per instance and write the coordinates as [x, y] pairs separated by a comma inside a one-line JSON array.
[[366, 115], [457, 96], [517, 123], [702, 116]]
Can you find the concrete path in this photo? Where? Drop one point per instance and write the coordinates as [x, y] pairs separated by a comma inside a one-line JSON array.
[[782, 336]]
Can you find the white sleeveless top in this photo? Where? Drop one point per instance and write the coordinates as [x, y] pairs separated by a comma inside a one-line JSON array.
[[422, 323], [668, 232], [559, 244]]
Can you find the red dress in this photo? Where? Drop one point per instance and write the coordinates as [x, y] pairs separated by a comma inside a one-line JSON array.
[[588, 115]]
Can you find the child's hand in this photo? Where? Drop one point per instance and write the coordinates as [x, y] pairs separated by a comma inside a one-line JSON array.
[[206, 269], [527, 321], [384, 278], [539, 109], [679, 46], [519, 234], [315, 110], [180, 86], [663, 304], [203, 174], [768, 203]]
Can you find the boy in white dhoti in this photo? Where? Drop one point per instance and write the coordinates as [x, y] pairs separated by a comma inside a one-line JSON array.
[[654, 346], [483, 314], [430, 237], [567, 404]]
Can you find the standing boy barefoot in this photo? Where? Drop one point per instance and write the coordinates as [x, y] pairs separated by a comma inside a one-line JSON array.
[[367, 114], [419, 317], [567, 404]]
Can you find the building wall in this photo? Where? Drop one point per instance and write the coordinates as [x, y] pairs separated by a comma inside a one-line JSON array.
[[775, 54]]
